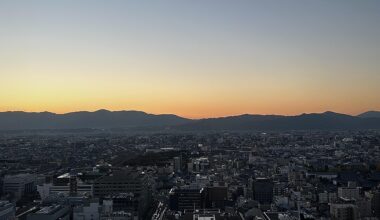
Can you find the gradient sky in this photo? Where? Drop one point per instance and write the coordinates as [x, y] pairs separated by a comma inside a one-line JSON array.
[[200, 58]]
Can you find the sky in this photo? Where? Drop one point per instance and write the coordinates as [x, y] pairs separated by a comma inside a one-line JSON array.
[[200, 58]]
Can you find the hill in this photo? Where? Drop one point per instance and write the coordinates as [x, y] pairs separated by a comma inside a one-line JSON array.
[[370, 114], [141, 121], [101, 119], [322, 121]]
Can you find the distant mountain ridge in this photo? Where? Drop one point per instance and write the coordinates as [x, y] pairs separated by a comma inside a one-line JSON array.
[[370, 114], [104, 119], [313, 121], [101, 119]]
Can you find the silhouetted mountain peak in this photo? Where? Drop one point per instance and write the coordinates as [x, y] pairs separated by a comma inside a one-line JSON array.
[[331, 113], [102, 111]]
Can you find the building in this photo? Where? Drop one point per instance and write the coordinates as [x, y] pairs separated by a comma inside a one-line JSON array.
[[187, 198], [120, 182], [80, 189], [344, 211], [327, 197], [116, 216], [109, 214], [206, 214], [87, 211], [199, 165], [126, 202], [349, 193], [375, 203], [177, 164], [252, 158], [263, 190], [364, 207], [217, 196], [54, 212], [7, 210], [19, 185]]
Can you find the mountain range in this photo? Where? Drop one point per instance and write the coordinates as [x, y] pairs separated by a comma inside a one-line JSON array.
[[104, 119]]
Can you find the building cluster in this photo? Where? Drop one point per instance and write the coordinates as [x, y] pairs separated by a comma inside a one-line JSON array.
[[205, 176]]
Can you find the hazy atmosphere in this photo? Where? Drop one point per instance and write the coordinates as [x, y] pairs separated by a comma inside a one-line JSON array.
[[190, 110], [190, 58]]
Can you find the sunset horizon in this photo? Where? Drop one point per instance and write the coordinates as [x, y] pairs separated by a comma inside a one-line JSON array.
[[196, 60], [190, 110], [194, 117]]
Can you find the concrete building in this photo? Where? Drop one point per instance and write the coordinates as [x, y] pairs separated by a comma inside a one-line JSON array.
[[87, 211], [19, 185], [177, 164], [349, 192], [344, 211], [375, 203], [125, 202], [109, 214], [54, 212], [120, 182], [217, 196], [207, 214], [117, 216], [7, 210], [263, 190], [199, 165], [47, 189], [187, 198]]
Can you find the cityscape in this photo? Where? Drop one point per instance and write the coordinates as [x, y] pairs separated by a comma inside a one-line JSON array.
[[102, 174], [189, 110]]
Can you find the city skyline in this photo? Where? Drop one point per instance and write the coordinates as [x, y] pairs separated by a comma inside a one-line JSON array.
[[196, 60]]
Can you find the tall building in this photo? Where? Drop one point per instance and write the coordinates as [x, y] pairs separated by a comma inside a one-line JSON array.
[[252, 157], [263, 190], [177, 164], [375, 203]]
